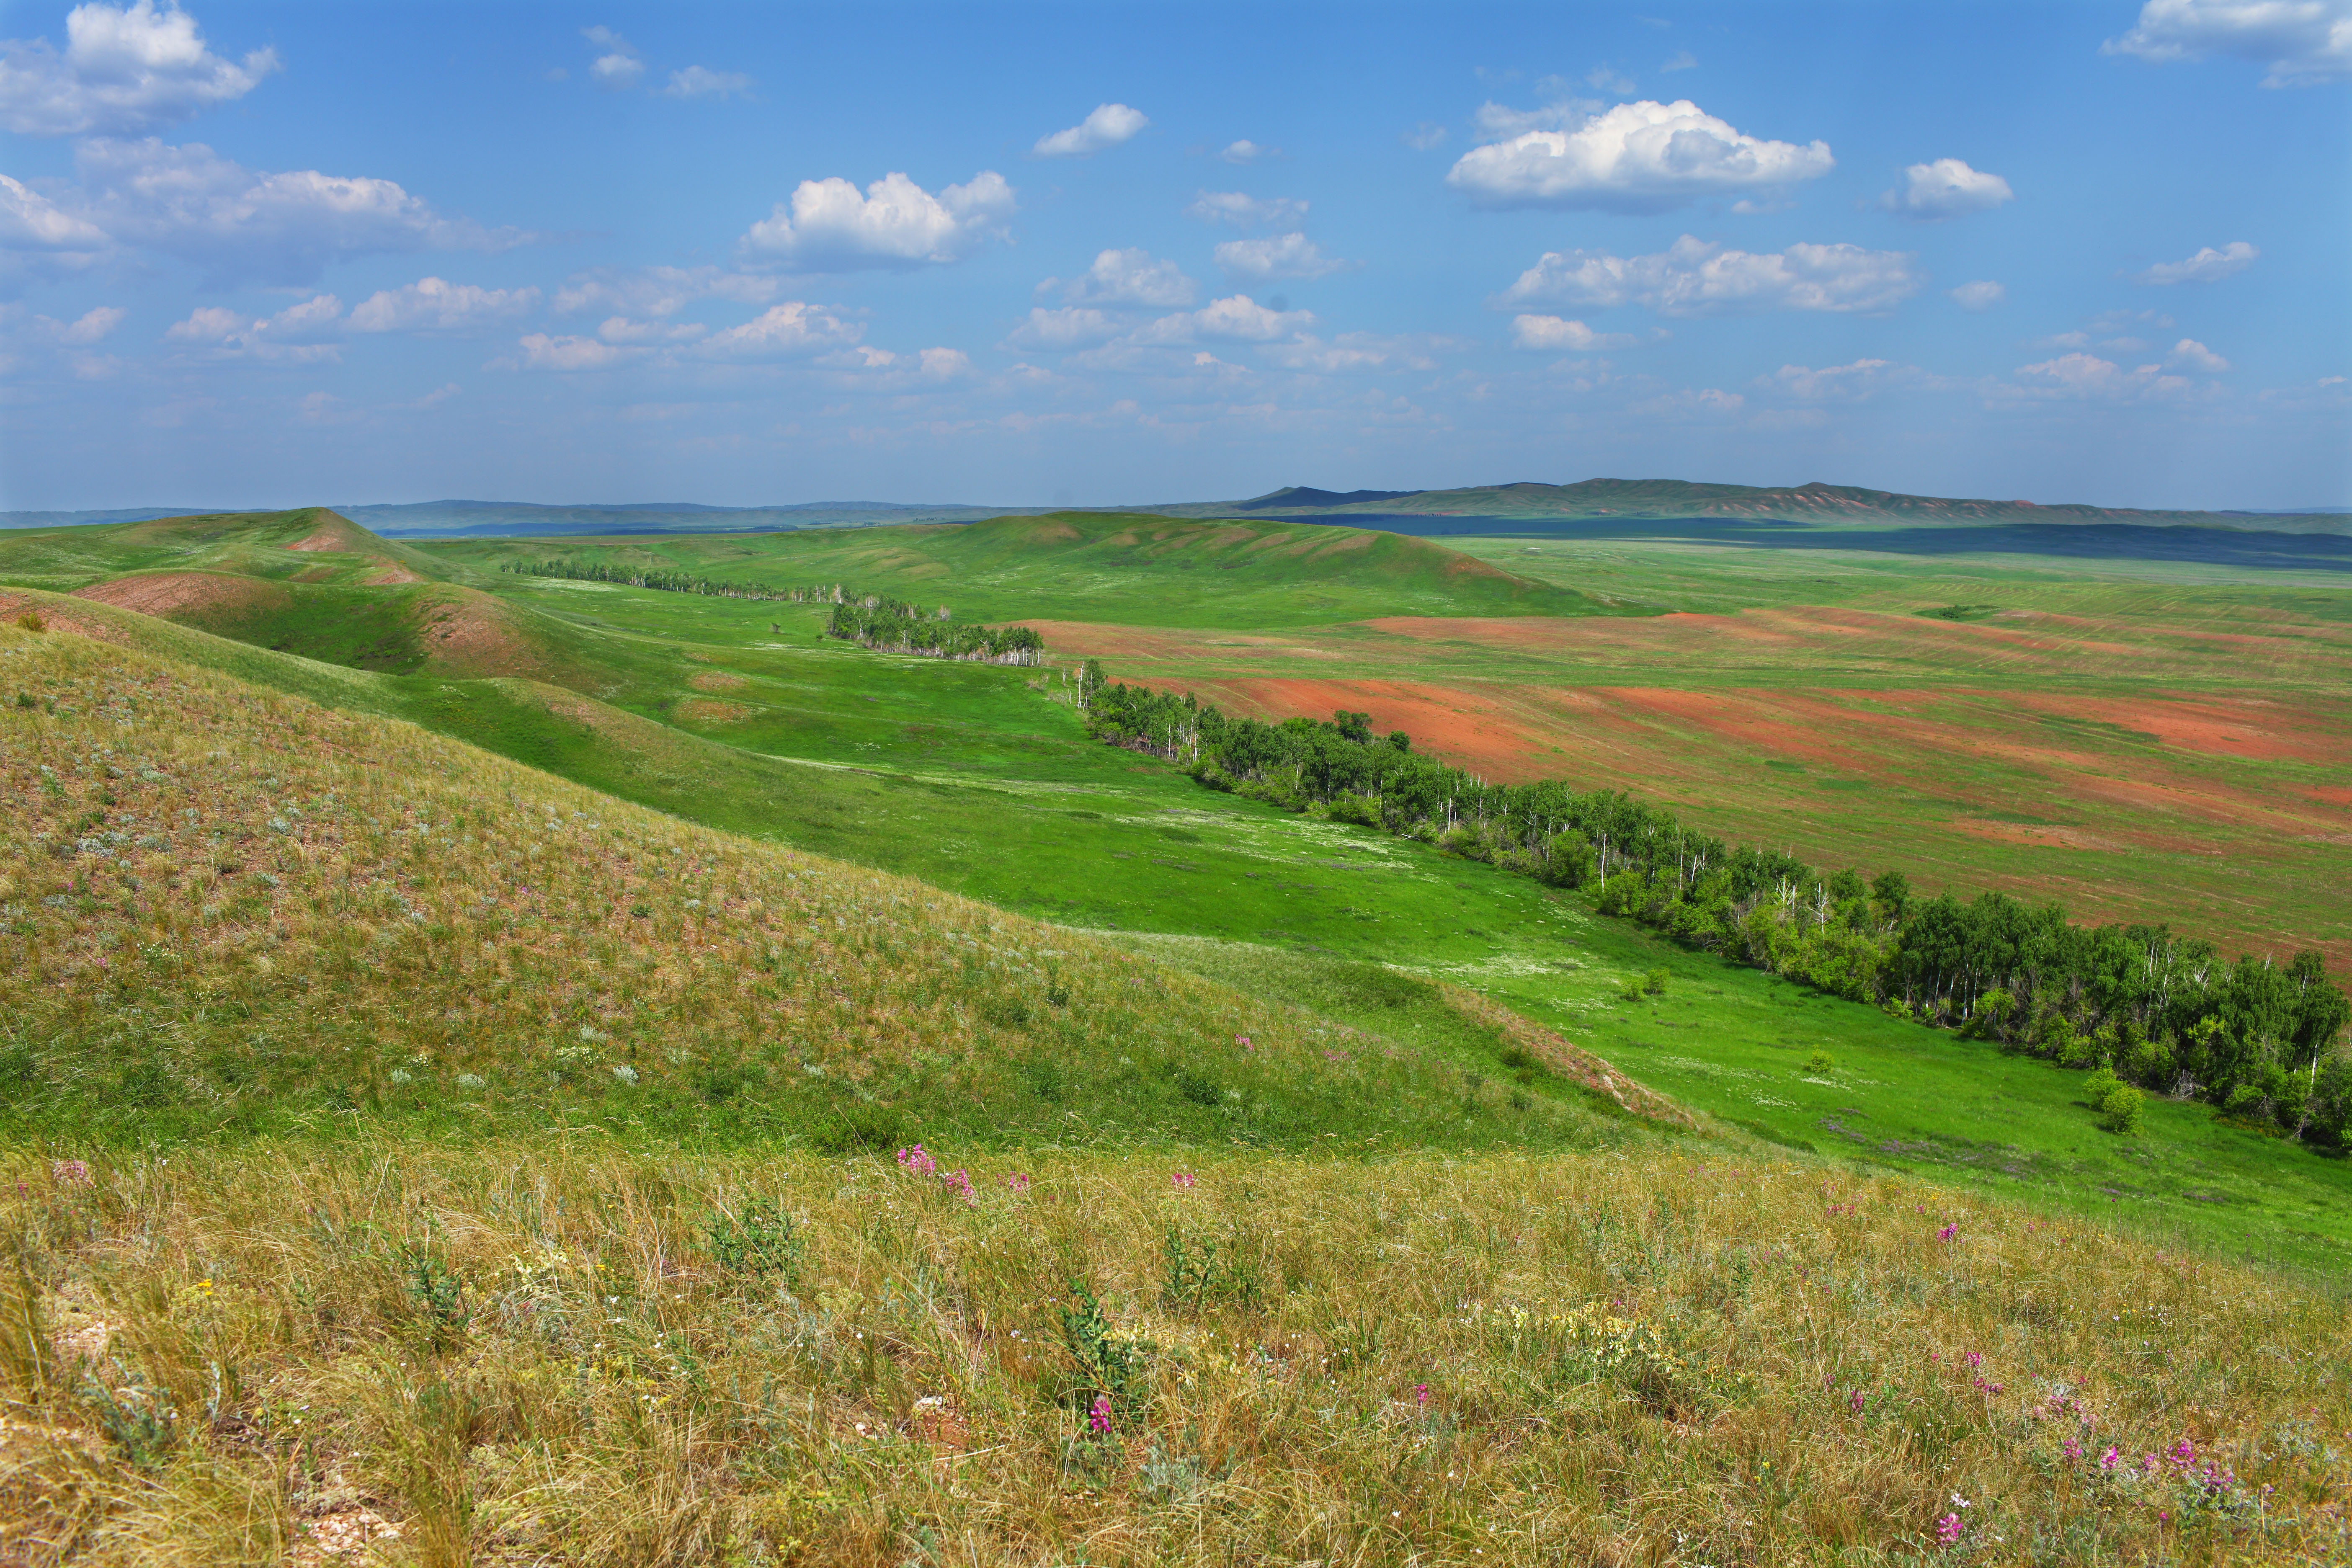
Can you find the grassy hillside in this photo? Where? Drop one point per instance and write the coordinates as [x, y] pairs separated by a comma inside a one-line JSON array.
[[1148, 571], [231, 911], [968, 778], [555, 1352], [412, 1152]]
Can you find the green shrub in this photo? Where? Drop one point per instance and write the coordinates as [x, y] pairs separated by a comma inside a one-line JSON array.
[[759, 1242], [1654, 982], [860, 1130], [2120, 1108], [1820, 1062]]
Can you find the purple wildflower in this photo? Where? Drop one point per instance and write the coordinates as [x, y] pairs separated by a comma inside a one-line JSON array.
[[1948, 1529], [1098, 1415]]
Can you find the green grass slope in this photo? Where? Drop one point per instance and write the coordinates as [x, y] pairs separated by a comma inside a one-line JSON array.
[[1136, 570], [233, 910]]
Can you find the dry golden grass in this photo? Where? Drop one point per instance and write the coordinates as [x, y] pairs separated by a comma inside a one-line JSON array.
[[535, 1352]]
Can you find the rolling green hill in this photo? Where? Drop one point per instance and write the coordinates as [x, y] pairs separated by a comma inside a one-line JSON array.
[[1103, 566]]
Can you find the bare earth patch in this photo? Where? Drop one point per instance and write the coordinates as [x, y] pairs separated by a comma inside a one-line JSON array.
[[704, 710], [171, 594]]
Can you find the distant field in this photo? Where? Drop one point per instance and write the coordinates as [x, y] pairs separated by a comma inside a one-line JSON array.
[[1141, 571], [2137, 740]]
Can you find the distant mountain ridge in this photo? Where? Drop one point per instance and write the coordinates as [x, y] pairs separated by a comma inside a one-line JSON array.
[[1816, 504], [1530, 505]]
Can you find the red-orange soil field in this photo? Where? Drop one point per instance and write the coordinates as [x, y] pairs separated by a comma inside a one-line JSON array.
[[2186, 767]]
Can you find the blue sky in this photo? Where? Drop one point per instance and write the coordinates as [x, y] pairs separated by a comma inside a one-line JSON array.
[[271, 255]]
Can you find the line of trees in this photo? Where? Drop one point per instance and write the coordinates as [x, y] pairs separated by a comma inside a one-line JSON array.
[[897, 627], [2259, 1039], [645, 577]]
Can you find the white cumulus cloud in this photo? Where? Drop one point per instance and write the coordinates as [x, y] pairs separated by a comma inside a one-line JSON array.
[[1246, 152], [1554, 335], [618, 66], [886, 370], [1236, 319], [2207, 266], [299, 333], [833, 226], [1982, 295], [92, 325], [435, 305], [281, 228], [39, 240], [1694, 278], [1130, 277], [124, 69], [2088, 378], [541, 351], [1071, 327], [1281, 255], [2304, 42], [1107, 126], [1245, 211], [1641, 157], [621, 330], [783, 332], [2190, 354], [1945, 188], [696, 82]]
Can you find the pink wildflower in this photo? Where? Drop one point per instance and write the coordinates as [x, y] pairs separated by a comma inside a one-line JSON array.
[[1856, 1400], [71, 1173], [914, 1163], [1244, 1042], [1098, 1415], [959, 1184], [1974, 1358], [1183, 1179], [1948, 1529], [2071, 1449], [2107, 1460], [1018, 1182], [1420, 1393], [1948, 1232]]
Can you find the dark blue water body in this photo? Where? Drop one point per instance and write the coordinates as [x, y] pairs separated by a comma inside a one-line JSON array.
[[2086, 540]]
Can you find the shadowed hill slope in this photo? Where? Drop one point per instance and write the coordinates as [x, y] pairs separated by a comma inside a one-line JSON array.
[[1139, 570], [232, 910]]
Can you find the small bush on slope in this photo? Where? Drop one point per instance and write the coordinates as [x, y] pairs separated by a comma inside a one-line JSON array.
[[536, 1353], [230, 910]]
